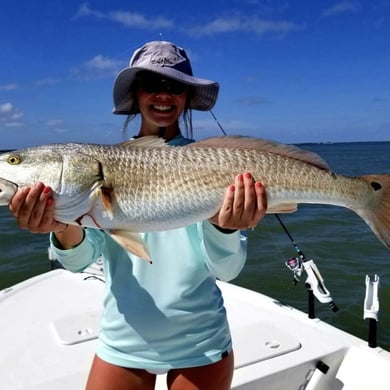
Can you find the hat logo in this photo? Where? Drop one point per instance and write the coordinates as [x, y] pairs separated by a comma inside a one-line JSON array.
[[171, 59]]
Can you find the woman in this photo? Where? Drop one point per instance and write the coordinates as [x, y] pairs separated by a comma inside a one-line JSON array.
[[167, 317]]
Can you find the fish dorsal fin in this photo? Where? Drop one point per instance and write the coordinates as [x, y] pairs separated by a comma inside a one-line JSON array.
[[262, 145], [145, 142]]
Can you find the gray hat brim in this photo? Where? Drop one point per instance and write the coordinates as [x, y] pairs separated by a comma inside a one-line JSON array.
[[204, 92]]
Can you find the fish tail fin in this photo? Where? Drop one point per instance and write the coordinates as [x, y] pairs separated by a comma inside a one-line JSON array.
[[377, 214]]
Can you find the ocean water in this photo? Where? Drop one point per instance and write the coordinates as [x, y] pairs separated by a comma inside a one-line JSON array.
[[341, 244]]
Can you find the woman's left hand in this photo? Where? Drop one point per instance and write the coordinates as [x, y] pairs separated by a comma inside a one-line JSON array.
[[245, 203]]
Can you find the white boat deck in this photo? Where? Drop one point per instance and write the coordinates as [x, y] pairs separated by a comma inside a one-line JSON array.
[[49, 325]]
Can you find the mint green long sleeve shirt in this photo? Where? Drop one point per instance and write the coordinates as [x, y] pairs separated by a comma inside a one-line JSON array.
[[168, 314]]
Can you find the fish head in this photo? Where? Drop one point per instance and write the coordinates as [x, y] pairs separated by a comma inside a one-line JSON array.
[[27, 166], [68, 169]]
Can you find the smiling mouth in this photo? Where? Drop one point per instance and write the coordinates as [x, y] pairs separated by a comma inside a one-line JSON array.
[[162, 108]]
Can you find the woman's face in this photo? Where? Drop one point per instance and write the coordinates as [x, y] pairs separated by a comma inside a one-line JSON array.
[[161, 100]]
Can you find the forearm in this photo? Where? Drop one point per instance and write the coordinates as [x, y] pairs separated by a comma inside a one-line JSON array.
[[225, 254], [79, 257]]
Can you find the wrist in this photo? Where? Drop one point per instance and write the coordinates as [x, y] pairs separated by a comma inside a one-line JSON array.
[[68, 238], [224, 230], [63, 230]]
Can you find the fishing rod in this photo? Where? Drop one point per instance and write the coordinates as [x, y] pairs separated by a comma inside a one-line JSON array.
[[294, 264], [314, 282], [216, 120]]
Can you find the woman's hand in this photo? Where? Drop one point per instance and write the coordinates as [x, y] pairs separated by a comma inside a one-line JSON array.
[[245, 203], [33, 207]]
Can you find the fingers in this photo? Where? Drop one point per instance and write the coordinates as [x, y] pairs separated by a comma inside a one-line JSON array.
[[261, 203], [250, 203], [33, 207], [17, 201], [251, 207], [245, 203], [40, 216]]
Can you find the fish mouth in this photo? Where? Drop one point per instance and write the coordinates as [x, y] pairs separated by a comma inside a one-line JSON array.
[[7, 183], [7, 191]]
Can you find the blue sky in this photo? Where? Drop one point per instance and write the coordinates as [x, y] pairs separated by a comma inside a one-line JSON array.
[[293, 71]]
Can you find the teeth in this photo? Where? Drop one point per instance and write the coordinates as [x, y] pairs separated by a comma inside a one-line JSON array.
[[162, 108]]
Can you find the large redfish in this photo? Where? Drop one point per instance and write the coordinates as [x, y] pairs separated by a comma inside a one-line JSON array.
[[145, 185]]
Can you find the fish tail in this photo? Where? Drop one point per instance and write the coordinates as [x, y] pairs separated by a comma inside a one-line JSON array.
[[377, 212]]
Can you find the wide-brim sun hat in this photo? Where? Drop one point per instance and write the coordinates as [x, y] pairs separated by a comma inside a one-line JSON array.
[[168, 60]]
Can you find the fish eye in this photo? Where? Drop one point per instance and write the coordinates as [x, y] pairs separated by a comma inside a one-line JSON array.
[[13, 159]]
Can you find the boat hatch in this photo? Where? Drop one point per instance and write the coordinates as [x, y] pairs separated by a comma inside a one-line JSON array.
[[78, 328], [266, 342]]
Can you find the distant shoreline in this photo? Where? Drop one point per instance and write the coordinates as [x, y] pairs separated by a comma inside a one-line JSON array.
[[298, 143]]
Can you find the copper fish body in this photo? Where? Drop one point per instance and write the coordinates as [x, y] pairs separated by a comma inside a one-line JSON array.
[[145, 185]]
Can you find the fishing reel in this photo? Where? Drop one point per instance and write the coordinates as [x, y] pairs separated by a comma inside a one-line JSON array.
[[314, 281], [294, 264]]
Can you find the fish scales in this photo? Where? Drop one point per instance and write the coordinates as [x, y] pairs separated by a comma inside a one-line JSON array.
[[181, 179], [162, 186], [145, 185]]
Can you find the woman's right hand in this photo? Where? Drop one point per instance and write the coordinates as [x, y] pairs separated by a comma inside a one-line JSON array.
[[33, 207]]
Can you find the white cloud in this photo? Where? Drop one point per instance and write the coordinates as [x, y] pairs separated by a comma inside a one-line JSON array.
[[16, 115], [6, 108], [98, 66], [13, 124], [99, 62], [235, 23], [341, 8], [46, 81], [126, 18], [245, 23], [56, 126], [54, 122], [132, 19], [9, 115], [8, 87], [85, 10]]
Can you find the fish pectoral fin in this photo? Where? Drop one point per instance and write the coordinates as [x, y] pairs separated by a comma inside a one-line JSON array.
[[283, 208], [106, 197], [131, 242]]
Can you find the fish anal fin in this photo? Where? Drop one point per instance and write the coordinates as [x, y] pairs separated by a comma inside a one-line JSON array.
[[131, 242], [283, 208]]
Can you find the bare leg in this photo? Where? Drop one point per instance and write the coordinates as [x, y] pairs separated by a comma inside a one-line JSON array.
[[216, 376], [106, 376]]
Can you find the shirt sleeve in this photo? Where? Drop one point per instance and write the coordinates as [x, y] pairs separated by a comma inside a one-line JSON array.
[[225, 254], [83, 255]]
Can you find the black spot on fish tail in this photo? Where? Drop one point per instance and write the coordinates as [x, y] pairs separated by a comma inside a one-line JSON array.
[[376, 186]]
